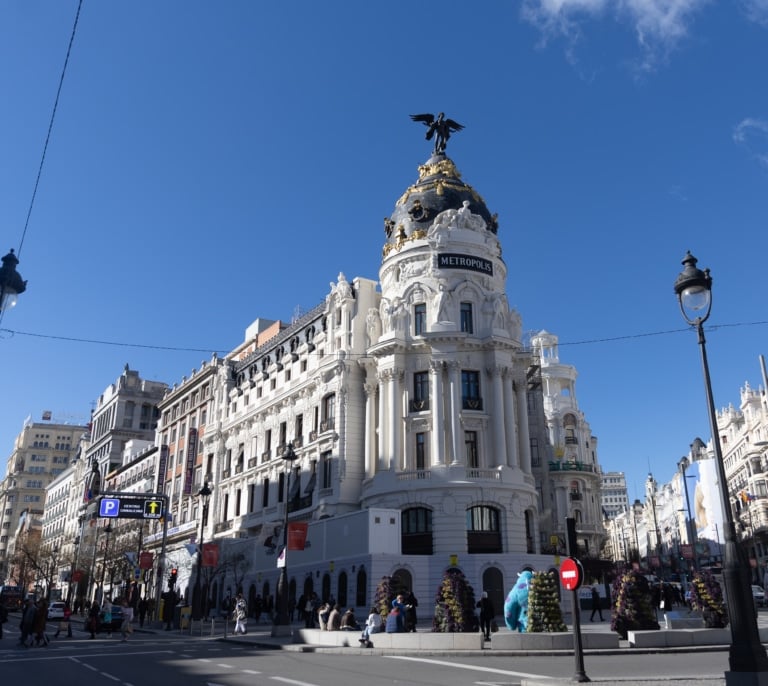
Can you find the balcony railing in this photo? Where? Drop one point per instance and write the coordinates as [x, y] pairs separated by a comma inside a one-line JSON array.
[[327, 424], [477, 474], [266, 455], [571, 440], [575, 495], [313, 435], [472, 403], [226, 473], [420, 405], [414, 475], [570, 466], [252, 462]]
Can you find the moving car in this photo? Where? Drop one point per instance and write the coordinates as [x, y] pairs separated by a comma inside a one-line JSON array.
[[56, 610], [758, 595]]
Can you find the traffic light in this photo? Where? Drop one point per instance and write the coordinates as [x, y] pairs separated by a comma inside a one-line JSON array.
[[172, 577]]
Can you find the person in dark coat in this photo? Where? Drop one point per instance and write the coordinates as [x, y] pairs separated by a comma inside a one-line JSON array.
[[596, 606], [487, 613], [410, 611]]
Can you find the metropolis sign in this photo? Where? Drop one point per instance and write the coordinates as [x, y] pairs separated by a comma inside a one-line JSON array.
[[450, 260]]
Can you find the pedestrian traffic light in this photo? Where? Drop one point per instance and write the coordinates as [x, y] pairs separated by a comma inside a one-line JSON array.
[[172, 577]]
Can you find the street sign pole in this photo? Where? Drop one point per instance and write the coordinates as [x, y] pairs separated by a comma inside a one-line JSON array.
[[572, 576]]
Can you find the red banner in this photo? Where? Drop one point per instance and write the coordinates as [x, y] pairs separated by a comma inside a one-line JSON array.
[[77, 575], [210, 554], [297, 535], [145, 560]]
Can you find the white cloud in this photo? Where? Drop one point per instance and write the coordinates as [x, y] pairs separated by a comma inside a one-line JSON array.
[[752, 134], [658, 24], [756, 11]]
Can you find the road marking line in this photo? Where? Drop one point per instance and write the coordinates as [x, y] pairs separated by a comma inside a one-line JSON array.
[[292, 681], [458, 665]]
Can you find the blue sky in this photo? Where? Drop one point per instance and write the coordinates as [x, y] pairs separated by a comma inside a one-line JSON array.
[[211, 163]]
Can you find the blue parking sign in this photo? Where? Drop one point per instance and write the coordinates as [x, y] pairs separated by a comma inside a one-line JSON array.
[[109, 507]]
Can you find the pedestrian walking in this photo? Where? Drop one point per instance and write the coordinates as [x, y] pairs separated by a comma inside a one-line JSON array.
[[487, 613], [126, 628], [143, 604], [41, 617], [596, 604], [27, 623], [94, 611], [241, 615], [65, 623]]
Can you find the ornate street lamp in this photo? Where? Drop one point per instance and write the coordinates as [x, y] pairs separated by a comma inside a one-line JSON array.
[[197, 601], [11, 283], [746, 655], [282, 625]]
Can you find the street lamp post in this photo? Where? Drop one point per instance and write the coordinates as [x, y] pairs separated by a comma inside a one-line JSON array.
[[107, 530], [683, 464], [282, 625], [197, 602], [11, 283], [747, 655]]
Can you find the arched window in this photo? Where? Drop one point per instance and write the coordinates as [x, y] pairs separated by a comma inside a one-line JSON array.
[[416, 531], [326, 588], [361, 594], [341, 596], [483, 533]]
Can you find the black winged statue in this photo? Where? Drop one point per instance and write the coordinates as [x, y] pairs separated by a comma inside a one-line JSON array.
[[440, 128]]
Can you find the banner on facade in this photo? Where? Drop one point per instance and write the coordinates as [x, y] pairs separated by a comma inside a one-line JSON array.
[[687, 551], [145, 560], [297, 535], [210, 554]]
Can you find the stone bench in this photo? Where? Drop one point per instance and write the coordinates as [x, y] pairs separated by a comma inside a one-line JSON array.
[[683, 620], [509, 640], [420, 640]]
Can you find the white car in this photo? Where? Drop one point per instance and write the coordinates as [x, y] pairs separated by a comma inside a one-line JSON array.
[[758, 594], [56, 610]]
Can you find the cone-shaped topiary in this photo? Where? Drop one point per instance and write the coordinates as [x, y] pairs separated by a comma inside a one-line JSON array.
[[385, 594], [707, 598], [454, 604], [632, 605], [544, 613]]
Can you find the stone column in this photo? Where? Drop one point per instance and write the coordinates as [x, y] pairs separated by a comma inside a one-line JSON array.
[[382, 393], [396, 418], [457, 432], [437, 456], [498, 456], [510, 420], [370, 429], [524, 442]]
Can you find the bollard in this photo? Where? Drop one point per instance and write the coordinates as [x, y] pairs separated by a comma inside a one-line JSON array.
[[213, 626]]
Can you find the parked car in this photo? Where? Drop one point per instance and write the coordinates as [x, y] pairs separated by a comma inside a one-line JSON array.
[[758, 594], [56, 610]]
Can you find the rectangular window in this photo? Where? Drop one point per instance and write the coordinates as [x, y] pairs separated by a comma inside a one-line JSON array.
[[420, 391], [419, 319], [421, 451], [326, 469], [298, 431], [465, 315], [283, 433], [535, 460], [265, 493], [470, 390], [470, 443]]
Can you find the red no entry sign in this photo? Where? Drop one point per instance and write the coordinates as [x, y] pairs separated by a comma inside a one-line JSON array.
[[571, 574]]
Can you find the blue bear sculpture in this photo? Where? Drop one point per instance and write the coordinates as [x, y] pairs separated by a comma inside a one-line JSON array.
[[516, 604]]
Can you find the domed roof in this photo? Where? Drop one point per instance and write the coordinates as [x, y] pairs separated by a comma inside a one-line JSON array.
[[439, 188]]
